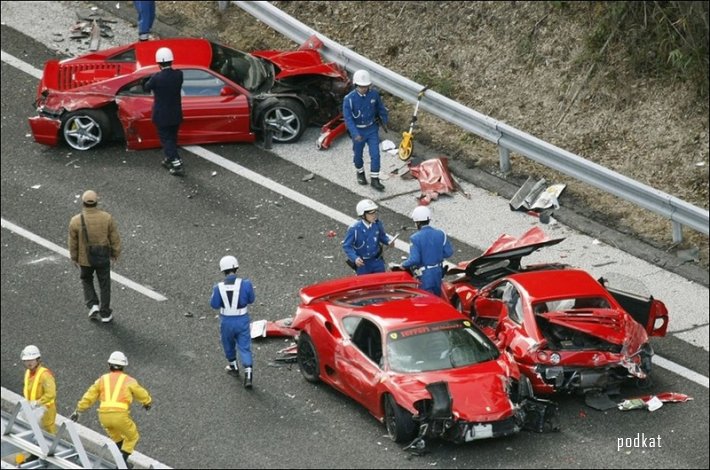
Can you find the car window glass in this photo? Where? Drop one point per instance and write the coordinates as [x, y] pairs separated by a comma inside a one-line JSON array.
[[439, 346], [134, 88], [513, 303], [367, 338], [350, 324], [200, 83]]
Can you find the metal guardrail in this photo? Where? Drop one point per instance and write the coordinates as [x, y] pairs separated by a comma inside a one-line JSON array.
[[507, 138]]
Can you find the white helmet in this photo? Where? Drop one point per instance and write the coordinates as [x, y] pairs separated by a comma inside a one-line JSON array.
[[163, 55], [364, 206], [30, 352], [117, 358], [421, 214], [362, 78], [228, 262]]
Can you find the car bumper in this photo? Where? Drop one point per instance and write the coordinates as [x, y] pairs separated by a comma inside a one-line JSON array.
[[45, 130]]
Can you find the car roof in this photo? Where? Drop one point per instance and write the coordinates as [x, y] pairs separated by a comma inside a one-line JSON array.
[[557, 283], [413, 311]]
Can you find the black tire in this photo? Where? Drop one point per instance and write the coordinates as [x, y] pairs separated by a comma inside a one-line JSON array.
[[86, 129], [308, 358], [400, 425], [286, 120]]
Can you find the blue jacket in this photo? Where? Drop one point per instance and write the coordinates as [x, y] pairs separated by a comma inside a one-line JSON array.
[[363, 241], [362, 110], [428, 247], [246, 293], [166, 86]]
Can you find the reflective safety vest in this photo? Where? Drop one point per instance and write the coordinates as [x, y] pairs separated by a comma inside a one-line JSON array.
[[113, 384], [32, 384], [230, 308]]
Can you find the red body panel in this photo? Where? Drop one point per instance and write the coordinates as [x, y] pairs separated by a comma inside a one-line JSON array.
[[478, 391], [96, 81], [610, 339]]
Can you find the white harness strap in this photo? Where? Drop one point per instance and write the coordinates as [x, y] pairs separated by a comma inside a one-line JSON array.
[[230, 308]]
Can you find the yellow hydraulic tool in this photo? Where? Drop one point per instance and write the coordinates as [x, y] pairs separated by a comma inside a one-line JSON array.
[[407, 144]]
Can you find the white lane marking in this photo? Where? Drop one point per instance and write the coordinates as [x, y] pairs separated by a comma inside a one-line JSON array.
[[21, 65], [325, 210], [680, 370], [279, 188], [58, 249]]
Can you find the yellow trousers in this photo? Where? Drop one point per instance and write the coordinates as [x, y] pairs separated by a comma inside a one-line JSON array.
[[120, 427], [48, 421]]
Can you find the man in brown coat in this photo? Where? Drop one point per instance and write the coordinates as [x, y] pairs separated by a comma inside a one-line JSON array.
[[100, 230]]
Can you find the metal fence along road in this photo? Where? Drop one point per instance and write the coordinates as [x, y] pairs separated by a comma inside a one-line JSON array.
[[507, 138]]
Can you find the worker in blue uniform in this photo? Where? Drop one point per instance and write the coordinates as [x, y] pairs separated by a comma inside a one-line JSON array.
[[364, 112], [364, 239], [429, 247], [231, 297], [166, 86]]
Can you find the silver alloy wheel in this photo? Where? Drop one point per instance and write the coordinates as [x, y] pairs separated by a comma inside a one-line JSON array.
[[285, 123], [82, 131]]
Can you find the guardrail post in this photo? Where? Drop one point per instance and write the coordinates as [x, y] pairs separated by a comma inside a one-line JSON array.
[[677, 231], [504, 157], [221, 6]]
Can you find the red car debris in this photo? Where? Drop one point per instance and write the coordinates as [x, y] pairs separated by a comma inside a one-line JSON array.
[[228, 95], [566, 330], [413, 361]]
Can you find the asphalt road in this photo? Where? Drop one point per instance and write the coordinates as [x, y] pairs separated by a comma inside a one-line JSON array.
[[174, 232]]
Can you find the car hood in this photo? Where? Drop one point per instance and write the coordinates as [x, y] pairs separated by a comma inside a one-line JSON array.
[[478, 392], [506, 248], [613, 326], [301, 62]]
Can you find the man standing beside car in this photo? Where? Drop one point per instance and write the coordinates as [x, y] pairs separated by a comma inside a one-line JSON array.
[[100, 229], [363, 112], [428, 249], [166, 86]]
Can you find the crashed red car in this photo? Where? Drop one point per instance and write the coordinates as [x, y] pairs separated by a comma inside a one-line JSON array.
[[413, 361], [228, 95], [566, 330]]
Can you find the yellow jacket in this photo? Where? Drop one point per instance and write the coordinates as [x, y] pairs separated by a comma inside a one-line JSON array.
[[101, 230], [115, 392], [40, 386]]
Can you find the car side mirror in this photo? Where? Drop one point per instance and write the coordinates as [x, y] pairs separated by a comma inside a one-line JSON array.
[[227, 91]]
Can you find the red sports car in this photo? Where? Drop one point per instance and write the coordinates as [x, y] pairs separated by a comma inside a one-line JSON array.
[[228, 95], [413, 361], [566, 330]]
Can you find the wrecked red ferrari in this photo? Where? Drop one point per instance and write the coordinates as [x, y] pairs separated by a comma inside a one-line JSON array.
[[566, 330], [228, 95], [413, 361]]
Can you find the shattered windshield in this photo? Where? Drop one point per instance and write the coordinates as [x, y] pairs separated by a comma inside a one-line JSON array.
[[240, 67], [438, 346]]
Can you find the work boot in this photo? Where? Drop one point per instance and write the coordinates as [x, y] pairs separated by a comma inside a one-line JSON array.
[[93, 313], [361, 179], [176, 169], [375, 183], [106, 317], [247, 377], [232, 370]]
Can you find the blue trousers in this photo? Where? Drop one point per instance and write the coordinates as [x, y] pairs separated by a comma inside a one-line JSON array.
[[371, 137], [235, 333], [168, 136], [373, 265], [146, 15], [430, 280]]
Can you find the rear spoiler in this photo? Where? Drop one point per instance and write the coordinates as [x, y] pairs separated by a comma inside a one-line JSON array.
[[310, 294]]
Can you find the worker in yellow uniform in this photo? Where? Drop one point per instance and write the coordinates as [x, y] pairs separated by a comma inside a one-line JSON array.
[[115, 392], [40, 388]]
